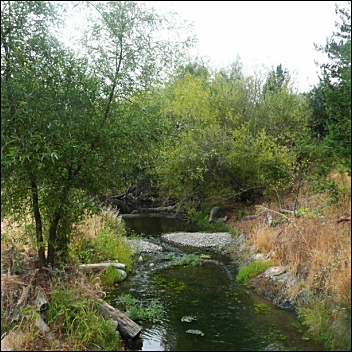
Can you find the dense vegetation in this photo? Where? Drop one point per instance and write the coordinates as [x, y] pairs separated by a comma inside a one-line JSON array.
[[127, 107]]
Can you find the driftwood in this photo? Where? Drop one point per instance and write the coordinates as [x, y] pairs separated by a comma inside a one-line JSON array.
[[249, 217], [154, 210], [23, 299], [101, 266], [152, 215], [126, 327]]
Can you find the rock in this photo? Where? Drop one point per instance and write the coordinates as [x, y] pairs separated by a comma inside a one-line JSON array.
[[188, 319], [217, 214], [195, 332], [275, 271]]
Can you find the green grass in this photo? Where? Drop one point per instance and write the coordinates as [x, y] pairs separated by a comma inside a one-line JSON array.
[[79, 318], [137, 310], [110, 276], [261, 308], [108, 244], [189, 259], [253, 269]]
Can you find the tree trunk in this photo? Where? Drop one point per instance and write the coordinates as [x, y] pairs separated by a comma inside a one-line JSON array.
[[52, 238], [38, 225]]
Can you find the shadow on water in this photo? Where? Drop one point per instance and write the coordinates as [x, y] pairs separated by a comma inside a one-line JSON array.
[[157, 224], [223, 310]]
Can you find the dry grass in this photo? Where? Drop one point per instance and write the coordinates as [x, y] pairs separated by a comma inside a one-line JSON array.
[[317, 245]]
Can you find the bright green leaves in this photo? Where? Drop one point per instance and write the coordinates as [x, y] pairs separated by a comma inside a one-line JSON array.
[[225, 139]]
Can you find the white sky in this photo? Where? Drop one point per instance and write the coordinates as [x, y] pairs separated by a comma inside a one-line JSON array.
[[265, 33]]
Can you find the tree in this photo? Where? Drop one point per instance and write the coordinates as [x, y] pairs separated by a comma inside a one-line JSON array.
[[65, 136], [276, 80], [331, 100]]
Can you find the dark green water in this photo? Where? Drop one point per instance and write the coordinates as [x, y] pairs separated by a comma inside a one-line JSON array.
[[224, 310]]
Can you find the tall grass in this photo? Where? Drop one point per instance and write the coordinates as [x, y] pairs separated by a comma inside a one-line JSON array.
[[101, 238], [317, 248]]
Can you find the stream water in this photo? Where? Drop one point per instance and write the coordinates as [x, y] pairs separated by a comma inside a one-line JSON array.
[[223, 312]]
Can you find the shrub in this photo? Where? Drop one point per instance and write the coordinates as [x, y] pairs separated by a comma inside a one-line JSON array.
[[79, 315], [106, 244]]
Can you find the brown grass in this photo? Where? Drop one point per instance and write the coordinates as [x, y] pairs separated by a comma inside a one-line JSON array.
[[317, 245]]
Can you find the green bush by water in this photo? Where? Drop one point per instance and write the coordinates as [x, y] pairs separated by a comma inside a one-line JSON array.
[[253, 269], [108, 244], [189, 259], [138, 310], [79, 318], [328, 323], [110, 276]]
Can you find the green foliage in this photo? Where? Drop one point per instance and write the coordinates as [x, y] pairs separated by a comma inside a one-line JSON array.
[[69, 131], [110, 276], [80, 316], [253, 269], [201, 219], [328, 323], [189, 259], [107, 244], [138, 310], [225, 141], [6, 324], [261, 308], [331, 99]]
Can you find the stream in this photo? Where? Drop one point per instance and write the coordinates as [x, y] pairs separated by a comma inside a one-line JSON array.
[[223, 313]]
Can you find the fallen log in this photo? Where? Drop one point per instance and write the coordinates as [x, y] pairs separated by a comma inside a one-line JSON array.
[[22, 301], [101, 266], [152, 215], [126, 327], [154, 210]]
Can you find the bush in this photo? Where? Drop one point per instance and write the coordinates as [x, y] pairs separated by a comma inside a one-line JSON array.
[[253, 269], [328, 323], [106, 244], [79, 317]]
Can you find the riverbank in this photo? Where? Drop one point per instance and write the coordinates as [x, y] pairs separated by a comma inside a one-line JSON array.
[[308, 246]]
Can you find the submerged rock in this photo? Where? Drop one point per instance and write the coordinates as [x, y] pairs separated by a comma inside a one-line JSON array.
[[195, 332], [188, 319]]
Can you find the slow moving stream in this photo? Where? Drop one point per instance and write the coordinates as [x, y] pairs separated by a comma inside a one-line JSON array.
[[205, 309]]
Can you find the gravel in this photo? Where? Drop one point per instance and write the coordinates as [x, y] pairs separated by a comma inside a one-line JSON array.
[[211, 240]]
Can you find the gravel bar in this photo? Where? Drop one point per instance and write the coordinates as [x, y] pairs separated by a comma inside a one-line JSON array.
[[214, 240]]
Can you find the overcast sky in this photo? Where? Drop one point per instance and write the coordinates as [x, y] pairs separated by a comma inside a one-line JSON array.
[[260, 32]]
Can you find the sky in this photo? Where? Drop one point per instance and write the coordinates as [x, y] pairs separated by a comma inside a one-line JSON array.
[[262, 33]]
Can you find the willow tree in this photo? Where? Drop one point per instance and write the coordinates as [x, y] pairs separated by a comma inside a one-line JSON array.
[[62, 136]]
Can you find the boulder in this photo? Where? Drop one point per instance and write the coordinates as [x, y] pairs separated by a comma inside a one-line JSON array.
[[217, 214]]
